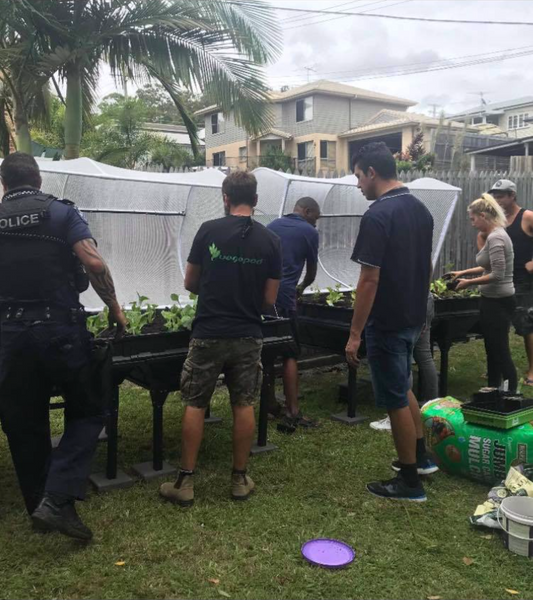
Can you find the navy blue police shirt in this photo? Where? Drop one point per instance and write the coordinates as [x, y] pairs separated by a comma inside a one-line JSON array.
[[396, 235], [237, 256], [299, 244], [66, 222]]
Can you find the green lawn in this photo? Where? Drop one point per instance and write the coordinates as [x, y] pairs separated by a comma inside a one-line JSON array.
[[313, 486]]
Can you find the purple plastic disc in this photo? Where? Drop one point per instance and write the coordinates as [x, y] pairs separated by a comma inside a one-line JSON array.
[[332, 554]]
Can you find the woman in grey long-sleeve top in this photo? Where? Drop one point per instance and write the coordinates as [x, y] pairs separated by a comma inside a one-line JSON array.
[[495, 280]]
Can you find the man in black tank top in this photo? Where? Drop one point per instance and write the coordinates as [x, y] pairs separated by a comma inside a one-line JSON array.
[[520, 230]]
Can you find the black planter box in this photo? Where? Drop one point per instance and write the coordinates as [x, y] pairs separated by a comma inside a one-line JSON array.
[[171, 348], [452, 306], [323, 312]]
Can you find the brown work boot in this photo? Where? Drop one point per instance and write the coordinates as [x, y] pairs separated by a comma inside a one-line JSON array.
[[181, 492], [242, 486]]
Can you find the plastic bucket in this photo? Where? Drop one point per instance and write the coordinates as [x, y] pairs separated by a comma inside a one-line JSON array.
[[515, 516]]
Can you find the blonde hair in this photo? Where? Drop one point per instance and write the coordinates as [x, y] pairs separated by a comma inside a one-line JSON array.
[[490, 208]]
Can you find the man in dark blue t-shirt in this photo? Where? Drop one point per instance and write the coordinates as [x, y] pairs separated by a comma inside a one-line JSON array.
[[299, 246], [394, 250], [234, 266]]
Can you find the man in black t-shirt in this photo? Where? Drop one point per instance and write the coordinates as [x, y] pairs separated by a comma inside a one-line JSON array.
[[235, 268], [394, 250]]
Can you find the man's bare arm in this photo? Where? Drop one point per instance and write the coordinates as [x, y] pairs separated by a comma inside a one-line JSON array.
[[101, 279], [193, 275]]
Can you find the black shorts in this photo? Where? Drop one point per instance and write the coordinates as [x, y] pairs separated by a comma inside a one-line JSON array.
[[523, 316], [292, 315]]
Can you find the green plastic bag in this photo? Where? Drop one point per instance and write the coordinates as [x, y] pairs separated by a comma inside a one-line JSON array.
[[474, 451]]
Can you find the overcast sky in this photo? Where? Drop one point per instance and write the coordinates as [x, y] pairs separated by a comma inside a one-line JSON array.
[[341, 48]]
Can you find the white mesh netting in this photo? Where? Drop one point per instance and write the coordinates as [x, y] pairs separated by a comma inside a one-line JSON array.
[[145, 222], [342, 206]]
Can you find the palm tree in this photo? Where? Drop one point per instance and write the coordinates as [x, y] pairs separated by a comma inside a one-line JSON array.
[[215, 46], [24, 89]]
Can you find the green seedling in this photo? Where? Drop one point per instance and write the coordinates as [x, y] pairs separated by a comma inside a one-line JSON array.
[[334, 295]]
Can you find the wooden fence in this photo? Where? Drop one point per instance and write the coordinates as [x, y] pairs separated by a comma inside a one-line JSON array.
[[459, 249]]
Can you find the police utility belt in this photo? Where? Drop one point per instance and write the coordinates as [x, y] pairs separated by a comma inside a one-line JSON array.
[[39, 313]]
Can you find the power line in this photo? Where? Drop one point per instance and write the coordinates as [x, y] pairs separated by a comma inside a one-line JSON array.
[[395, 17], [437, 67], [310, 24], [303, 18], [423, 63]]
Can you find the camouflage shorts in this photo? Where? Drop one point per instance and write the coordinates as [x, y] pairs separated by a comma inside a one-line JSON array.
[[240, 361]]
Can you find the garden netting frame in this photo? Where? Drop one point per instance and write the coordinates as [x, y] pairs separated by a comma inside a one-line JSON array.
[[343, 205], [145, 222]]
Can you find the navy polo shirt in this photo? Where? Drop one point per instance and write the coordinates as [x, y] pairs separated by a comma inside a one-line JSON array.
[[299, 245], [396, 236]]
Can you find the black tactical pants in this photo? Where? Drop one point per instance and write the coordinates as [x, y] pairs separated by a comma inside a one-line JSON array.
[[34, 357]]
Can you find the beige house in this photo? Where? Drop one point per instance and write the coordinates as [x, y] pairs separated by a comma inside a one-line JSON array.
[[314, 124]]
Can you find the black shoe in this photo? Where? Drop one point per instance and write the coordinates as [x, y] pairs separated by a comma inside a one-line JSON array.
[[287, 425], [397, 489], [53, 516]]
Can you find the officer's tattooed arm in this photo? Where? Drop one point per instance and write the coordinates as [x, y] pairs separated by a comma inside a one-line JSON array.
[[101, 280]]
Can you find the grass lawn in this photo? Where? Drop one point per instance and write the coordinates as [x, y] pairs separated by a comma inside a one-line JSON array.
[[313, 486]]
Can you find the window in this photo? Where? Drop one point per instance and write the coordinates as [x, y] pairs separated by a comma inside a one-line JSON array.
[[217, 123], [304, 109], [303, 151], [219, 159], [477, 120], [242, 154], [327, 150], [517, 121]]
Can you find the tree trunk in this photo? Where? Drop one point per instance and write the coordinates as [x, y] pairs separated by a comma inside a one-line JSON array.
[[73, 113], [22, 128]]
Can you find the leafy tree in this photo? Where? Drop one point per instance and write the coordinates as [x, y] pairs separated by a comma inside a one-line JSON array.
[[161, 107], [170, 155], [117, 137], [415, 156], [275, 158], [216, 46]]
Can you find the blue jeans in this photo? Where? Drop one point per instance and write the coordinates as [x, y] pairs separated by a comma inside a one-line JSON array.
[[389, 356]]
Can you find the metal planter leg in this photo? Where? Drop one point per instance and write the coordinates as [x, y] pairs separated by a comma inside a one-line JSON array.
[[267, 391], [157, 467], [350, 417], [112, 478]]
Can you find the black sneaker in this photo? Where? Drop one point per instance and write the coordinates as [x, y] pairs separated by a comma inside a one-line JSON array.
[[424, 466], [397, 489], [53, 516]]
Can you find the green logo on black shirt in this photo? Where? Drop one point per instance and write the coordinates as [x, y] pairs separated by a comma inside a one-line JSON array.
[[216, 254]]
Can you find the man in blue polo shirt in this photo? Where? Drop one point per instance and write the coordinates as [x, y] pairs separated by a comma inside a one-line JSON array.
[[394, 250], [299, 247]]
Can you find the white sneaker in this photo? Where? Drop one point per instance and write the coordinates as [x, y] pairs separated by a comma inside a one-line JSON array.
[[383, 425]]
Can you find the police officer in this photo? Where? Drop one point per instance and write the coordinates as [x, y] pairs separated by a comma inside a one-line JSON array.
[[44, 343]]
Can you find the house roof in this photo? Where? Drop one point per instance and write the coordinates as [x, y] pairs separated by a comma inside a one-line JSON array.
[[276, 132], [514, 148], [387, 119], [496, 106], [176, 133], [323, 86]]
